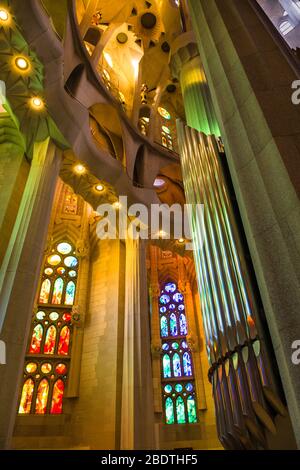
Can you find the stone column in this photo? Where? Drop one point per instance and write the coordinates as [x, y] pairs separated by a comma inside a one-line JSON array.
[[20, 274], [137, 414], [250, 81], [13, 170]]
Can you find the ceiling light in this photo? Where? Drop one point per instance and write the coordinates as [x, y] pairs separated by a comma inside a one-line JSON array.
[[80, 169], [117, 205], [37, 103], [99, 188], [4, 15], [22, 63], [181, 241]]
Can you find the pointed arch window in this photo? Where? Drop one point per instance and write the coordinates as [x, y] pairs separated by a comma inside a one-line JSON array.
[[48, 358], [179, 396]]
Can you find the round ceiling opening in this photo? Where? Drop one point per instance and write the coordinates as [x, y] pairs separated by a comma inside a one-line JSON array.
[[122, 38], [148, 20]]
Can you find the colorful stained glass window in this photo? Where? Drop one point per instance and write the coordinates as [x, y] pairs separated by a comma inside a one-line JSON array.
[[70, 293], [164, 327], [58, 291], [36, 340], [50, 342], [26, 397], [167, 366], [45, 292], [64, 341], [45, 377], [183, 325], [187, 365], [176, 365], [54, 316], [180, 410], [191, 408], [164, 113], [61, 369], [54, 260], [42, 397], [57, 397], [31, 368], [173, 325], [179, 399], [71, 262], [64, 248], [46, 368], [169, 407]]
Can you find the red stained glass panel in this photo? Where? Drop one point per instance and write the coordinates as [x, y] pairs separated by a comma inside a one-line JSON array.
[[50, 340], [64, 341], [42, 397], [57, 397], [36, 340]]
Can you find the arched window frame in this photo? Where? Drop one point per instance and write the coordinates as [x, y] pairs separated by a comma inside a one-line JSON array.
[[183, 386], [50, 315]]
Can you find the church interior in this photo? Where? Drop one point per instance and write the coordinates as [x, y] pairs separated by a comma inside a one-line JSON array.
[[125, 344]]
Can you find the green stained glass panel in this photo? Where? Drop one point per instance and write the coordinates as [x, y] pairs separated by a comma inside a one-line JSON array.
[[167, 366], [191, 407], [164, 327], [169, 407], [180, 410]]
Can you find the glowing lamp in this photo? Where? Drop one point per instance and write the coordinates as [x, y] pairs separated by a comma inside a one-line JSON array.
[[22, 63]]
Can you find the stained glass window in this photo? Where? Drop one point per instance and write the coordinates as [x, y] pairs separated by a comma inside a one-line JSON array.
[[49, 347], [42, 397], [57, 397], [36, 339], [45, 291], [58, 291], [64, 341], [178, 386], [45, 375], [26, 397]]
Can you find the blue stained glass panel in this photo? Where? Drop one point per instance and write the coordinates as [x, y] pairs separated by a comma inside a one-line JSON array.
[[167, 366], [164, 327], [183, 325], [173, 325], [177, 365], [70, 293], [187, 364], [178, 297], [170, 287], [164, 299]]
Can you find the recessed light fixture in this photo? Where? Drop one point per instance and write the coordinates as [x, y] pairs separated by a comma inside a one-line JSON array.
[[22, 63], [79, 169], [37, 103], [4, 15], [99, 188], [181, 241]]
